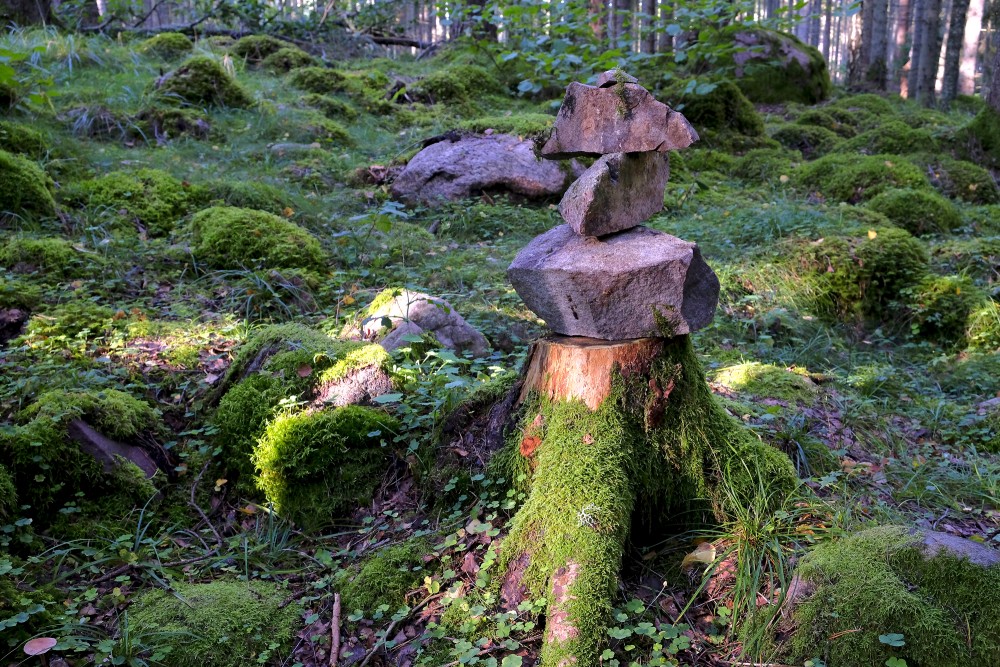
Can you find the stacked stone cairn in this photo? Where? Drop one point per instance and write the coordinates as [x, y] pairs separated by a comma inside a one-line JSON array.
[[602, 274]]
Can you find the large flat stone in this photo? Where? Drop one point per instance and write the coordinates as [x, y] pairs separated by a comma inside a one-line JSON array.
[[449, 170], [622, 118], [617, 287], [616, 193]]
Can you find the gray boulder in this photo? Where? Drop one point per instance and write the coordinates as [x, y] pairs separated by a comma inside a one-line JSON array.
[[450, 170], [633, 284], [618, 192], [416, 313], [622, 118]]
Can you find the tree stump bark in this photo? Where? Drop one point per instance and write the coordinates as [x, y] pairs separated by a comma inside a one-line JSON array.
[[609, 429]]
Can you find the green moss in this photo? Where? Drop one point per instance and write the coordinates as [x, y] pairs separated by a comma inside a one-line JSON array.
[[270, 340], [941, 306], [385, 577], [9, 96], [315, 466], [528, 125], [893, 136], [223, 623], [979, 258], [984, 327], [959, 179], [669, 460], [233, 238], [353, 357], [812, 140], [319, 80], [159, 123], [854, 178], [829, 120], [167, 45], [771, 76], [862, 275], [725, 108], [868, 102], [455, 84], [248, 194], [330, 107], [701, 159], [240, 419], [981, 138], [255, 48], [917, 211], [70, 320], [765, 165], [150, 199], [22, 140], [8, 494], [317, 126], [25, 190], [49, 466], [286, 59], [50, 256], [202, 80], [19, 294], [767, 381], [881, 581]]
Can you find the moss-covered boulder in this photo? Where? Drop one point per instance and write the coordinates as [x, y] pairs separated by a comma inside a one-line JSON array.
[[319, 80], [941, 307], [812, 141], [248, 194], [862, 275], [980, 139], [385, 577], [854, 178], [255, 48], [978, 258], [286, 59], [455, 84], [222, 623], [25, 190], [724, 108], [149, 200], [330, 107], [50, 257], [20, 139], [314, 466], [201, 80], [49, 465], [893, 137], [871, 104], [919, 212], [226, 237], [167, 45], [838, 121], [160, 124], [767, 381], [959, 179], [766, 165], [774, 67], [931, 594]]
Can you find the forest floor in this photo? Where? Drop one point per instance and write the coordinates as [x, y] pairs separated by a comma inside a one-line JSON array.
[[886, 406]]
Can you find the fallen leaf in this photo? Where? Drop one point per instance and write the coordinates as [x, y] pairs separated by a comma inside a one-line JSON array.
[[703, 553]]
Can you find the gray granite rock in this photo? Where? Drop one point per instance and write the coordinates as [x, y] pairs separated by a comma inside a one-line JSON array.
[[616, 119], [617, 287], [616, 193], [415, 313]]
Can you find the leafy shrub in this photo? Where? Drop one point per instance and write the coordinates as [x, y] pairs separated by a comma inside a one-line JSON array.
[[813, 141], [167, 45], [917, 211], [226, 237], [8, 494], [984, 327], [222, 623], [151, 200], [314, 466], [853, 178], [25, 190], [201, 80]]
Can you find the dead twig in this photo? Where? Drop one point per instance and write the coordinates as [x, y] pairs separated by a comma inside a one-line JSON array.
[[197, 507], [335, 632], [388, 631]]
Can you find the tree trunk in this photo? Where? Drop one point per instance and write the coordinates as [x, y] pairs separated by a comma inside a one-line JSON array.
[[815, 16], [828, 33], [648, 41], [992, 92], [953, 51], [920, 11], [598, 15], [666, 40], [930, 52], [27, 12], [620, 9], [611, 435], [970, 48]]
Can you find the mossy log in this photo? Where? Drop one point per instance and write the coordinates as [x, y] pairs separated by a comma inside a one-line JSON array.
[[613, 435]]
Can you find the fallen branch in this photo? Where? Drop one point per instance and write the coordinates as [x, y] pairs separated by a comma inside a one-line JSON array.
[[197, 507], [385, 637], [107, 451], [335, 632]]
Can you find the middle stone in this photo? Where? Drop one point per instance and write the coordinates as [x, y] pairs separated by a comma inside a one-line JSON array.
[[618, 192]]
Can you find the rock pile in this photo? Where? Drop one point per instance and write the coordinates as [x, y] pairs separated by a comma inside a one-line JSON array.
[[602, 274]]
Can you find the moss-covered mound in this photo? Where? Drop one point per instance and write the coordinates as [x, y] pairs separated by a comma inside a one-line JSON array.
[[385, 577], [319, 80], [854, 178], [248, 194], [25, 190], [838, 121], [812, 140], [984, 327], [941, 307], [255, 48], [50, 256], [766, 381], [456, 84], [978, 258], [917, 211], [893, 137], [885, 581], [724, 109], [159, 124], [151, 200], [286, 59], [330, 107], [765, 165], [314, 466], [774, 67], [959, 179], [981, 138], [22, 140], [863, 275], [870, 103], [226, 237], [529, 125], [167, 45], [49, 466], [202, 80], [223, 623]]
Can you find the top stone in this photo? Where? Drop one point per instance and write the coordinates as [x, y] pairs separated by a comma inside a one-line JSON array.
[[620, 117]]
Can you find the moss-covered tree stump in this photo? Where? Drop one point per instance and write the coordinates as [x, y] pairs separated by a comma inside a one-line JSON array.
[[610, 434]]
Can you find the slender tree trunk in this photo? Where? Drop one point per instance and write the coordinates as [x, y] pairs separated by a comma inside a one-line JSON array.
[[598, 15], [992, 92], [920, 11], [815, 18], [953, 50], [666, 40], [970, 48], [26, 12], [930, 53], [619, 9], [876, 69], [828, 32]]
